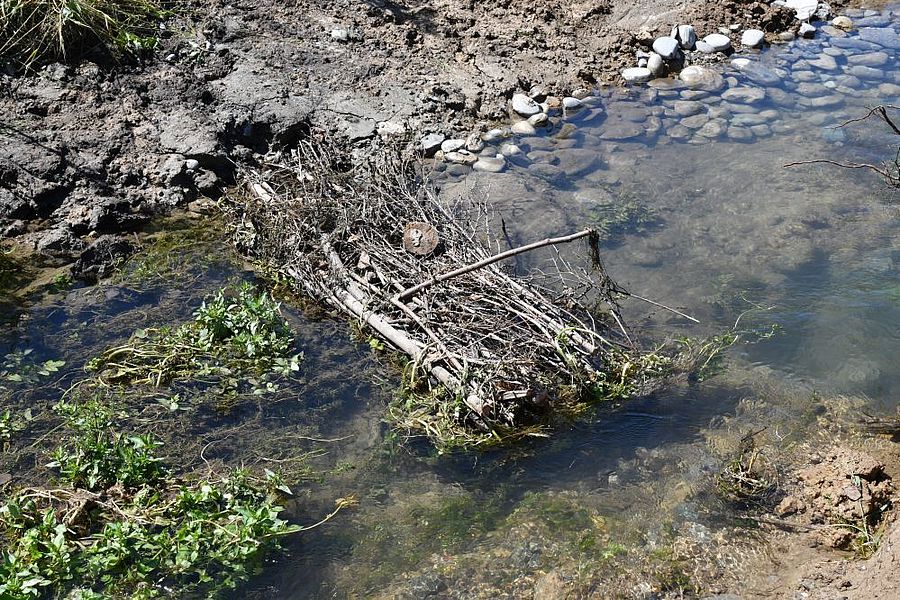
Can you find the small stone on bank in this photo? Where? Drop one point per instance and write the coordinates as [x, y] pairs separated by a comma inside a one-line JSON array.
[[524, 105], [807, 31], [572, 103], [452, 145], [655, 64], [685, 35], [753, 38], [431, 143], [637, 75], [718, 42], [666, 47]]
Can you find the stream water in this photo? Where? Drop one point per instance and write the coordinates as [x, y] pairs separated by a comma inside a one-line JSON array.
[[705, 218]]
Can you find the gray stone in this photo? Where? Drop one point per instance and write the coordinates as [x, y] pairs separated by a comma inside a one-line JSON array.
[[807, 31], [620, 130], [490, 164], [679, 132], [812, 90], [642, 62], [510, 150], [452, 145], [761, 130], [656, 65], [786, 36], [524, 105], [686, 36], [757, 73], [693, 94], [494, 135], [572, 103], [833, 31], [713, 129], [701, 77], [523, 128], [852, 43], [748, 120], [744, 95], [865, 72], [753, 38], [431, 143], [825, 63], [474, 143], [461, 157], [870, 59], [695, 122], [687, 108], [575, 162], [637, 75], [539, 120], [704, 48], [883, 36], [740, 134], [667, 48], [718, 42], [832, 101]]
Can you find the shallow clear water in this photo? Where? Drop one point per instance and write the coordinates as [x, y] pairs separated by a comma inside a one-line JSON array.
[[812, 248]]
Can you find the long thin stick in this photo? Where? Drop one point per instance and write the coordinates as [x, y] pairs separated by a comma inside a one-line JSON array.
[[668, 308], [489, 261]]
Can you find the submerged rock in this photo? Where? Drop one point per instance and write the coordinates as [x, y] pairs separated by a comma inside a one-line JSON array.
[[701, 77]]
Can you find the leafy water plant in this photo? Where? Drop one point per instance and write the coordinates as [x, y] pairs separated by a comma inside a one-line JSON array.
[[123, 530], [237, 331], [34, 31]]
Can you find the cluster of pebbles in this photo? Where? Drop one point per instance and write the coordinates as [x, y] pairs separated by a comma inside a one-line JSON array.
[[752, 96]]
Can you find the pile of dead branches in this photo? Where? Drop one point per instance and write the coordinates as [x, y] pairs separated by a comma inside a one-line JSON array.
[[488, 350]]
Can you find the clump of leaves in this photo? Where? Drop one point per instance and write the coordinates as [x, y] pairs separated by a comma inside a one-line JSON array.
[[18, 367], [35, 31], [99, 457], [629, 216], [124, 530], [235, 331]]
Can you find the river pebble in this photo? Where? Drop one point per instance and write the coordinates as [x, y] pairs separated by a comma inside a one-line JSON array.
[[571, 103], [744, 95], [740, 134], [843, 23], [718, 42], [865, 72], [656, 65], [870, 59], [686, 36], [703, 78], [687, 108], [713, 129], [523, 128], [539, 120], [525, 105], [883, 36], [810, 89], [824, 63], [667, 47], [510, 150], [452, 145], [431, 143], [752, 38], [806, 31], [461, 157], [490, 164], [637, 75], [804, 9]]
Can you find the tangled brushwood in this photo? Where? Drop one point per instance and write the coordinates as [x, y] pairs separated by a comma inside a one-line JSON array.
[[491, 354]]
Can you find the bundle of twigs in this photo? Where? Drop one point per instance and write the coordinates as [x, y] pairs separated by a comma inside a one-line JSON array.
[[427, 277]]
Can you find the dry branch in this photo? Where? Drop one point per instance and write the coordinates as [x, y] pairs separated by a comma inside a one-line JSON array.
[[500, 347]]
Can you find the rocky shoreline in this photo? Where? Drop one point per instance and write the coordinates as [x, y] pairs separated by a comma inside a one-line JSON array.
[[89, 151]]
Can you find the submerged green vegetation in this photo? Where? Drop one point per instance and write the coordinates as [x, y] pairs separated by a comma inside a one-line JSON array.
[[35, 31], [118, 513], [124, 527], [239, 332]]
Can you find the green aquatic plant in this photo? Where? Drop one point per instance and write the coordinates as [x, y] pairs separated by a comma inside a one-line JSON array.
[[235, 332], [627, 216], [127, 528], [35, 31], [19, 367]]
